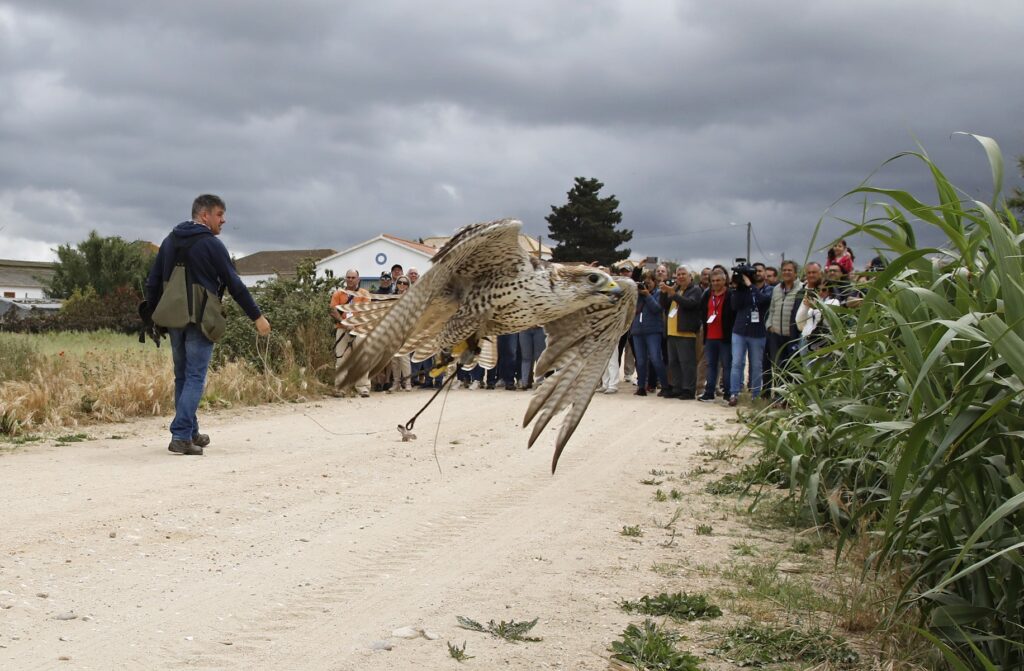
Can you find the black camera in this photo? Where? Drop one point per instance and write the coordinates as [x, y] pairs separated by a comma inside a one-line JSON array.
[[742, 269]]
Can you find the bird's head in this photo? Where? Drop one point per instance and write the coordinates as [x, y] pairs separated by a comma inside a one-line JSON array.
[[585, 283]]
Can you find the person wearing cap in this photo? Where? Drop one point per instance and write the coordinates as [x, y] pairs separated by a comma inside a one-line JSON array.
[[385, 286]]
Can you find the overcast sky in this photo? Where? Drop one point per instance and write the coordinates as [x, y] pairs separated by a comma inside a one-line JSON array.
[[325, 123]]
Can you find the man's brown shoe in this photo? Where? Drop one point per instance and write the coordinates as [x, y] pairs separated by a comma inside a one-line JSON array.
[[185, 447], [201, 440]]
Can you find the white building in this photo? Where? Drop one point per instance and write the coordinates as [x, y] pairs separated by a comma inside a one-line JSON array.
[[24, 279], [377, 255]]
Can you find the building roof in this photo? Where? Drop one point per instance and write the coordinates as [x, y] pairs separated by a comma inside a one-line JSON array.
[[14, 273], [282, 262], [424, 250]]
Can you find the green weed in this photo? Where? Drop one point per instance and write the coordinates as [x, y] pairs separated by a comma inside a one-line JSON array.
[[457, 653], [71, 438], [762, 581], [510, 631], [671, 521], [652, 647], [751, 645], [680, 606]]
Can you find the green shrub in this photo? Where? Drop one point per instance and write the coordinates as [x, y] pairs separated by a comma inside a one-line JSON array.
[[302, 339]]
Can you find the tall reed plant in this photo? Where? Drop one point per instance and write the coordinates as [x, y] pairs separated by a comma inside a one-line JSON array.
[[909, 423]]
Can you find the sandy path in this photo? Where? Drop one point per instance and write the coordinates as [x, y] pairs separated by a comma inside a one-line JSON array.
[[290, 547]]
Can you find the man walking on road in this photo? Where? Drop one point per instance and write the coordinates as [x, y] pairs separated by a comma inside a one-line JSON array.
[[210, 266]]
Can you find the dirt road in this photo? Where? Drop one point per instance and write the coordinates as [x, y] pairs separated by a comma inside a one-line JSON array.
[[309, 533]]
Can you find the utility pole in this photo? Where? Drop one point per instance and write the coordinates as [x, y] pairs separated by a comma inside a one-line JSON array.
[[748, 242]]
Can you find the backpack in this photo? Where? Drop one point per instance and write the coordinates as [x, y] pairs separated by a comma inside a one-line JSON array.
[[185, 301]]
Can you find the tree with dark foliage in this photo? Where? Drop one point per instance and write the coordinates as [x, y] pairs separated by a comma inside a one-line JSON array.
[[585, 226]]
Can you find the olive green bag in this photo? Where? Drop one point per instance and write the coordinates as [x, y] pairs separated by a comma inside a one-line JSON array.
[[185, 302]]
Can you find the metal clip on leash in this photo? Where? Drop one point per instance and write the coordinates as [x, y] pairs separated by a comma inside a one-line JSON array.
[[406, 430]]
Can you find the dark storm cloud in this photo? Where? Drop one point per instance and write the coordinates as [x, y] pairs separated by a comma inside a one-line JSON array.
[[324, 123]]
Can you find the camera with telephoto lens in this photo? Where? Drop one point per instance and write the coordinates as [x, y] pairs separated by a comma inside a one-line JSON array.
[[741, 269]]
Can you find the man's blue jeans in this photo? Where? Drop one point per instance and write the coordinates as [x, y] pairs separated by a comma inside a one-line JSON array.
[[531, 344], [647, 348], [191, 351], [717, 352], [741, 346]]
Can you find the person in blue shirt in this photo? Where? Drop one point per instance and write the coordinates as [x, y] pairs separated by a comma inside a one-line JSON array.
[[750, 300]]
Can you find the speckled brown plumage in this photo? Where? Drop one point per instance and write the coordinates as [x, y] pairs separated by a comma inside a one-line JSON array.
[[483, 284]]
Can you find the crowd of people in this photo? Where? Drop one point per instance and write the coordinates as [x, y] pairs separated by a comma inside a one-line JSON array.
[[696, 335], [711, 334]]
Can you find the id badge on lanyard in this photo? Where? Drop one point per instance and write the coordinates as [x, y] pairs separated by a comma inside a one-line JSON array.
[[714, 310]]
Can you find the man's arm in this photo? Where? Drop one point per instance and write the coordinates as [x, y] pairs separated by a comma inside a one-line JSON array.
[[237, 289]]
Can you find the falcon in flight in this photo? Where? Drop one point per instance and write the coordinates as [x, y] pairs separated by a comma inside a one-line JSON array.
[[482, 284]]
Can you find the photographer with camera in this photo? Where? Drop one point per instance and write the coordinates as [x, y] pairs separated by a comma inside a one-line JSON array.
[[647, 331], [681, 302], [750, 302]]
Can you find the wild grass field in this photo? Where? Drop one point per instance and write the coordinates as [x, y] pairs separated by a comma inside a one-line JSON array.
[[59, 380]]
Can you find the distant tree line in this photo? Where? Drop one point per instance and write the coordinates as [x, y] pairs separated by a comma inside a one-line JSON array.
[[100, 281]]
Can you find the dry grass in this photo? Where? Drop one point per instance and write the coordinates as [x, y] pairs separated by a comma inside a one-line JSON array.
[[78, 379]]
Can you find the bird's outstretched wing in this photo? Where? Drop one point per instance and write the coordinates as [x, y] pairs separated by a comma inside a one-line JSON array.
[[413, 322], [578, 350]]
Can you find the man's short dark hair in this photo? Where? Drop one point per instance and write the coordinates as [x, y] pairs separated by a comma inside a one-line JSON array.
[[207, 201], [758, 263], [397, 265], [773, 269]]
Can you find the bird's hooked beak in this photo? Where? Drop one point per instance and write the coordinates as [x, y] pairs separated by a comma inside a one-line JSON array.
[[611, 287]]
